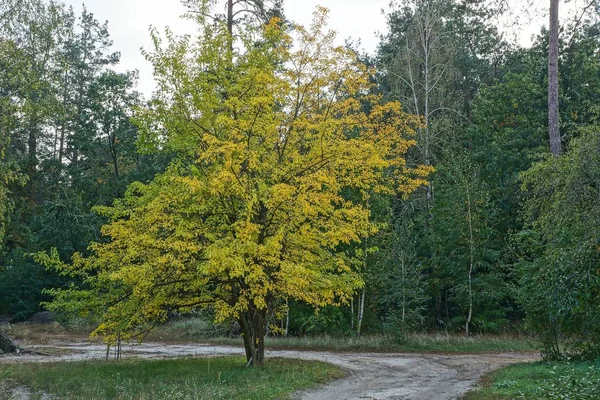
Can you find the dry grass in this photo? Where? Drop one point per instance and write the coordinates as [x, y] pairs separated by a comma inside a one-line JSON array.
[[198, 330], [33, 334]]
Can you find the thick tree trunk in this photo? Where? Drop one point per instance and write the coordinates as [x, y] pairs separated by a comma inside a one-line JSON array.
[[259, 327], [7, 345], [553, 116], [248, 339], [254, 326]]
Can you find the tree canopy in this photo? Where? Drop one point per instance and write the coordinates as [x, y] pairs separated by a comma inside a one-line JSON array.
[[253, 211]]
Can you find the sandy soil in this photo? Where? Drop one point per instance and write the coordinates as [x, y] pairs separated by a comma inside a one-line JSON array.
[[370, 375]]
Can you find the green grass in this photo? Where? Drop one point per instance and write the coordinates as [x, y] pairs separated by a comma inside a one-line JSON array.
[[573, 381], [190, 378], [414, 343]]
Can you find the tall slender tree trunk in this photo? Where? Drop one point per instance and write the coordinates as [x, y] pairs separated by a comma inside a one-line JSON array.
[[403, 272], [230, 16], [553, 116], [352, 313], [32, 157], [61, 151], [287, 318], [446, 310], [471, 261], [361, 311], [425, 42]]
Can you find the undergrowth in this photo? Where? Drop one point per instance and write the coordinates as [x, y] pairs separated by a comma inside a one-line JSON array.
[[550, 381]]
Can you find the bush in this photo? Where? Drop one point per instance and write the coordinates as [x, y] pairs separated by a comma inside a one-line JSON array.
[[573, 384], [560, 280]]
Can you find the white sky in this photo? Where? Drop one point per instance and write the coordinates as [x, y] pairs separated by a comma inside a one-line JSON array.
[[129, 21]]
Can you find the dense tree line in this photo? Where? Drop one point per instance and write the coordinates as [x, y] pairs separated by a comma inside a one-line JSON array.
[[499, 235], [68, 140]]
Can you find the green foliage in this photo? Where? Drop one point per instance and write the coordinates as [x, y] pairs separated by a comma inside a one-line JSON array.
[[434, 59], [561, 285], [67, 140], [21, 284], [328, 320], [464, 260], [401, 280], [574, 383], [550, 381]]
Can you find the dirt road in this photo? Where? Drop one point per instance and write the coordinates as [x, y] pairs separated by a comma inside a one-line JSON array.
[[370, 375]]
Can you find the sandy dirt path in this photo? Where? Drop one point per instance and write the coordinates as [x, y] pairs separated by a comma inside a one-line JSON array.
[[370, 375]]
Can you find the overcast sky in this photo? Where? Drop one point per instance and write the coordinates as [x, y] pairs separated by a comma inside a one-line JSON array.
[[129, 21]]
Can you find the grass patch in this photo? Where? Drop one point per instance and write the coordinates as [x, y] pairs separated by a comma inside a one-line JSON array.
[[541, 380], [417, 343], [190, 378]]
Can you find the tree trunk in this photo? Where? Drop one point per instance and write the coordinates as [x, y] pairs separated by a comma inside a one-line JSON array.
[[287, 318], [254, 326], [260, 329], [553, 117], [230, 18], [61, 151], [361, 311], [352, 313], [471, 261], [32, 157], [248, 339], [7, 345], [403, 292]]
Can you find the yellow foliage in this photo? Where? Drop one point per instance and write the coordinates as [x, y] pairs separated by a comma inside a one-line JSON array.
[[271, 139]]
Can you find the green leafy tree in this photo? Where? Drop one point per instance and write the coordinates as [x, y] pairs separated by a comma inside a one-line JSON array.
[[434, 59], [464, 259], [560, 253], [66, 127]]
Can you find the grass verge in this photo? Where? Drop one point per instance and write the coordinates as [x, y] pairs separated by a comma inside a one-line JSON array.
[[190, 378], [417, 343], [541, 380], [413, 343], [200, 331]]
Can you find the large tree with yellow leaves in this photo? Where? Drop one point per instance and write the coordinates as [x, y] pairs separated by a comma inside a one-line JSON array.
[[271, 134]]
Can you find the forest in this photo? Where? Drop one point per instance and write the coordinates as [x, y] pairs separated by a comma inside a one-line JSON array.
[[449, 182]]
